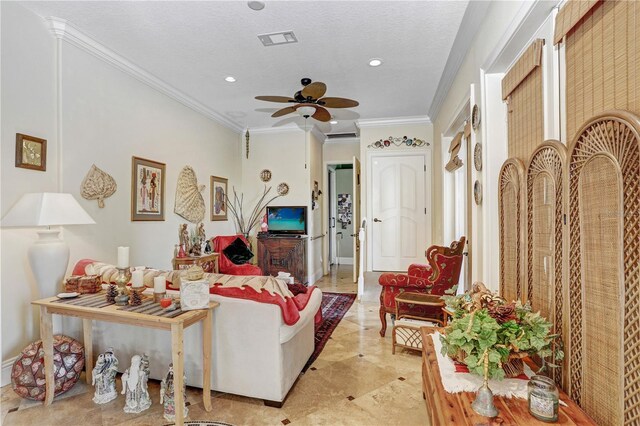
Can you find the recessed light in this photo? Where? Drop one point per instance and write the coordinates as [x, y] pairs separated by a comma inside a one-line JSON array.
[[375, 62], [230, 79], [255, 5], [333, 122]]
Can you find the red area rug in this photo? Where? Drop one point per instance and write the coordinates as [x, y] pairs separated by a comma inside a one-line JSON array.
[[334, 306]]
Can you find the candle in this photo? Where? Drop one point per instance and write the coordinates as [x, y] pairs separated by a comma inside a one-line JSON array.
[[123, 257], [137, 278], [159, 285]]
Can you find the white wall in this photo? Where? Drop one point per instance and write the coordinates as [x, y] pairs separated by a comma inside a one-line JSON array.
[[28, 102], [106, 117], [337, 151], [369, 133], [317, 233]]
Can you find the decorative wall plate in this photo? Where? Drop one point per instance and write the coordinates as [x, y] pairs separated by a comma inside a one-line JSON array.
[[475, 117], [477, 192], [477, 157], [265, 175], [283, 189]]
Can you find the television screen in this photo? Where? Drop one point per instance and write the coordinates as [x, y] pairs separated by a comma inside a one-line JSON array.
[[287, 220]]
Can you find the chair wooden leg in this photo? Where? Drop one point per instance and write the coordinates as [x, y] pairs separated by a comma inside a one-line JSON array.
[[383, 315]]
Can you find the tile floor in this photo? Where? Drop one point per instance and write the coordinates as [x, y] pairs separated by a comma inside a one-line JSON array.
[[354, 381]]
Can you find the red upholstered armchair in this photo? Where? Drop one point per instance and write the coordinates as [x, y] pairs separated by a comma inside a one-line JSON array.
[[442, 273], [226, 266]]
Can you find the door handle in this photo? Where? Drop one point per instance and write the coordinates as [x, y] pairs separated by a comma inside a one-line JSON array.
[[375, 219], [334, 222]]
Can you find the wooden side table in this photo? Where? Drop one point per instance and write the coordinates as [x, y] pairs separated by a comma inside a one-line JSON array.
[[208, 262], [111, 313], [455, 408], [421, 299]]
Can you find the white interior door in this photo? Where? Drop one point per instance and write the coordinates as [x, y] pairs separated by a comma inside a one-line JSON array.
[[399, 211], [356, 218]]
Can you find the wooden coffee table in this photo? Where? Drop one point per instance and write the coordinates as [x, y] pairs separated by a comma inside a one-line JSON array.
[[111, 313]]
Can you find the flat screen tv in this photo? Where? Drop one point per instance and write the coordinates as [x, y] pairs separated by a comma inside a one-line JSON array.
[[287, 219]]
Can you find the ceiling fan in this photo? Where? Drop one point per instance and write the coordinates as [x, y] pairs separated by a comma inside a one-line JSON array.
[[309, 101]]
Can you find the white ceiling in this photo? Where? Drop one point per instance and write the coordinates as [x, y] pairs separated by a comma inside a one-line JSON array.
[[193, 45]]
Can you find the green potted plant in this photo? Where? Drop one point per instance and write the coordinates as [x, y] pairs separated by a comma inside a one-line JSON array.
[[491, 336]]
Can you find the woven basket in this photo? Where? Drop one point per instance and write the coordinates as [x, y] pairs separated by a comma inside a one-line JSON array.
[[512, 368]]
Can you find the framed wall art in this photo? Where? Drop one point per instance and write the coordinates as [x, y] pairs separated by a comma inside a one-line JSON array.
[[31, 152], [147, 189], [218, 198]]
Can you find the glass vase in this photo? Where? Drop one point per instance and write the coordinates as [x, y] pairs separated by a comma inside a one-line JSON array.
[[543, 398]]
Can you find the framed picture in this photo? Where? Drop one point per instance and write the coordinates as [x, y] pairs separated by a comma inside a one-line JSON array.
[[31, 152], [147, 189], [218, 198]]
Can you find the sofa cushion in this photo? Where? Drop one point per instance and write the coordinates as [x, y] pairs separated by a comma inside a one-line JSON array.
[[238, 252]]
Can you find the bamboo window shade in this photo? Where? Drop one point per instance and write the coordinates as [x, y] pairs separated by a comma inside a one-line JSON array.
[[602, 59], [522, 87], [570, 15]]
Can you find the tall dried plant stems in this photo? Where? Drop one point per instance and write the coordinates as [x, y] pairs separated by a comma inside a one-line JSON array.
[[236, 209]]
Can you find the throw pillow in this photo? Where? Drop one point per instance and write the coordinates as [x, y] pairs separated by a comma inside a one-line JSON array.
[[297, 289], [238, 252]]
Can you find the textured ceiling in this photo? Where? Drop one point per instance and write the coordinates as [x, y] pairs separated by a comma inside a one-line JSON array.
[[193, 45]]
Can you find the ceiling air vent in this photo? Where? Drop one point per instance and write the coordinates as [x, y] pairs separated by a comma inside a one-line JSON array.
[[282, 37], [331, 136]]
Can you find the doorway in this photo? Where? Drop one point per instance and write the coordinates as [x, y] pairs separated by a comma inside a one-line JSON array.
[[342, 227]]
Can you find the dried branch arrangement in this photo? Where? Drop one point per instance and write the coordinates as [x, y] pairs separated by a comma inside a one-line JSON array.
[[236, 205]]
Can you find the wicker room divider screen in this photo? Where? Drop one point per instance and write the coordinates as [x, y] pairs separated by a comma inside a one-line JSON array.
[[545, 189], [511, 209], [604, 268]]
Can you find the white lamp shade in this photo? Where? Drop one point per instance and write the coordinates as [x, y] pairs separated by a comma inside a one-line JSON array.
[[46, 209], [306, 111]]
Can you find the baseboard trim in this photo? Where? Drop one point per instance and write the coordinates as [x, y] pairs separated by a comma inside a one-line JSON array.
[[7, 365], [345, 260]]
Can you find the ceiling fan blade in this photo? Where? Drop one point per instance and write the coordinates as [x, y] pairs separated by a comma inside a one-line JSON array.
[[283, 99], [314, 90], [338, 103], [321, 114], [284, 111]]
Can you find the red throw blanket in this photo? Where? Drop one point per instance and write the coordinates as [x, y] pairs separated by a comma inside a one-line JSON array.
[[289, 305]]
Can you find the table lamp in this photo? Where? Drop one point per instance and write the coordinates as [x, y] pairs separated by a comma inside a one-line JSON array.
[[49, 255]]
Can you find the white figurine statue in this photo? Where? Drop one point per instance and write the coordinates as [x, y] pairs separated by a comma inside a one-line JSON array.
[[104, 377], [167, 395], [134, 386]]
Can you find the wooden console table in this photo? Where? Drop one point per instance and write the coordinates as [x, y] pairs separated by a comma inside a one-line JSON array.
[[208, 262], [455, 408], [111, 313]]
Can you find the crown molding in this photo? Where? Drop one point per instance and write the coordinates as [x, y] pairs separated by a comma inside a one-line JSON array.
[[289, 128], [400, 121], [63, 30], [471, 22]]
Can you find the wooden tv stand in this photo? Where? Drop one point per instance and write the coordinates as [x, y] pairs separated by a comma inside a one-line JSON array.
[[286, 253]]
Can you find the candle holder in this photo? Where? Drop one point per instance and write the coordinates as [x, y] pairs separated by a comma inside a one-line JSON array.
[[122, 279], [157, 297]]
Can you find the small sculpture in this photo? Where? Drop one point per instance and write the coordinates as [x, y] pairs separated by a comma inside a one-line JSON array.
[[134, 386], [207, 247], [104, 377], [184, 238], [98, 185], [167, 395]]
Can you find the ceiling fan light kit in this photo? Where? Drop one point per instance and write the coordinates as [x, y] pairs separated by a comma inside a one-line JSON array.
[[310, 102]]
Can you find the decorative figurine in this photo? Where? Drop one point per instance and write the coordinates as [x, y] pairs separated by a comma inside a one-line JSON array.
[[167, 395], [134, 386], [104, 377], [184, 238], [207, 247], [202, 236], [181, 252]]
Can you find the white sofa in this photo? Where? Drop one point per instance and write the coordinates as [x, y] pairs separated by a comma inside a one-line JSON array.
[[255, 353]]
